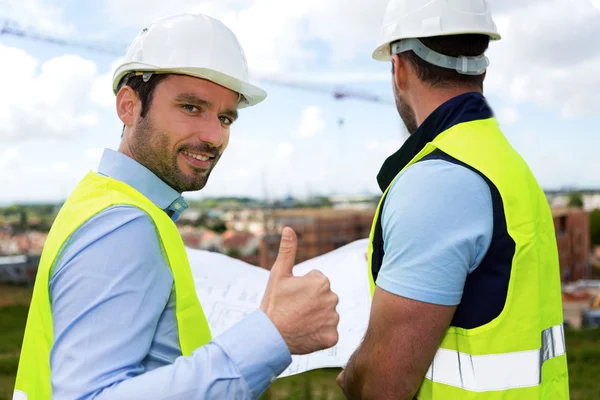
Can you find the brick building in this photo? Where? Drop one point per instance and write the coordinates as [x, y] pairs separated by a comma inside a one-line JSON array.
[[319, 230], [572, 227], [322, 230]]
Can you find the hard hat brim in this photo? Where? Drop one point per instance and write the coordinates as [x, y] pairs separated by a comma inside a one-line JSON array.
[[252, 95], [383, 52]]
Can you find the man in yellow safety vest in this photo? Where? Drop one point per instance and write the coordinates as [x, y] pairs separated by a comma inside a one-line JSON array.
[[114, 313], [462, 259]]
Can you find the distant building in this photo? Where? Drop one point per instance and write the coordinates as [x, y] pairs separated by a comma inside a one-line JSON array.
[[240, 243], [190, 215], [191, 236], [200, 238], [591, 201], [322, 230], [319, 231], [355, 201], [19, 269], [245, 220], [211, 241], [30, 242], [572, 227]]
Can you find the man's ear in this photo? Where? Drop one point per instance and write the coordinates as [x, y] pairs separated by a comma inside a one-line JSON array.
[[126, 101], [400, 71]]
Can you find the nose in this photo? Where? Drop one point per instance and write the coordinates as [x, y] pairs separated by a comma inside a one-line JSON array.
[[210, 130]]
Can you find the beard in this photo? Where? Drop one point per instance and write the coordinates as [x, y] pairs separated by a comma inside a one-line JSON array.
[[151, 147], [406, 113]]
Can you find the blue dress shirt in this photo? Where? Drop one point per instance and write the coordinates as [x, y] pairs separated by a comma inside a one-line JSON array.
[[113, 311]]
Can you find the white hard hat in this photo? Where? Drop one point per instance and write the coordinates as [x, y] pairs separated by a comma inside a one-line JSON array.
[[410, 19], [195, 45]]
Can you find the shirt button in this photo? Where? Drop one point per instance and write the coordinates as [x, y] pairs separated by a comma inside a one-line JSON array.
[[177, 206]]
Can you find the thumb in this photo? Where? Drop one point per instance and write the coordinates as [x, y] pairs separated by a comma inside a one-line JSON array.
[[287, 254]]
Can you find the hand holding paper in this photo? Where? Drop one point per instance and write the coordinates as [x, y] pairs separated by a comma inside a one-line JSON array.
[[229, 289]]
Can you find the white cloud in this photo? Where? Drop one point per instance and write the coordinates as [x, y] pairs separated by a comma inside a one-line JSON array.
[[94, 155], [284, 151], [508, 116], [26, 180], [8, 157], [276, 35], [102, 93], [60, 167], [141, 12], [49, 101], [324, 77], [547, 56], [311, 122], [348, 30], [39, 15]]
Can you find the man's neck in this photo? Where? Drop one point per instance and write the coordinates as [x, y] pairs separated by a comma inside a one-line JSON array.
[[427, 100]]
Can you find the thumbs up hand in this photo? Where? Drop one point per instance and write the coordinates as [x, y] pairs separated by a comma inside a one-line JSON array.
[[301, 308]]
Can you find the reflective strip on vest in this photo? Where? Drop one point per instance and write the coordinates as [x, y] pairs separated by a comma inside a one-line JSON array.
[[18, 395], [496, 371]]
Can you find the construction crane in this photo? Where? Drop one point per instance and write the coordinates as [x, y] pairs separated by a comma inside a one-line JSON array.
[[12, 28]]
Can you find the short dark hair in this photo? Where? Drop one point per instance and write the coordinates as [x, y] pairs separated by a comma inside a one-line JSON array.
[[469, 45], [144, 90]]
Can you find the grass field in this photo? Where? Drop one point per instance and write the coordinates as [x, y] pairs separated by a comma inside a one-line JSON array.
[[583, 355]]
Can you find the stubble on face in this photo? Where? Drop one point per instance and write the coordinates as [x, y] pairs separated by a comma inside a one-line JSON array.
[[151, 148], [406, 112]]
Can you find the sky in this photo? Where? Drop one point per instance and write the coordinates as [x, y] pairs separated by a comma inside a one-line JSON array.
[[57, 110]]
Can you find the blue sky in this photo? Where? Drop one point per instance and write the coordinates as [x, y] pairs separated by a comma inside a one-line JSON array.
[[57, 109]]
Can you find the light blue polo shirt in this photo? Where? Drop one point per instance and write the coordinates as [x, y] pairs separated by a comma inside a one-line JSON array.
[[437, 225]]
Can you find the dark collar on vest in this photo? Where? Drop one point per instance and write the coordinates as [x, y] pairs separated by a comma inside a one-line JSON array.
[[464, 108]]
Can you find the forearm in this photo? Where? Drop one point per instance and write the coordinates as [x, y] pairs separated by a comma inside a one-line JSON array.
[[352, 381], [225, 368], [192, 377], [359, 375], [370, 375]]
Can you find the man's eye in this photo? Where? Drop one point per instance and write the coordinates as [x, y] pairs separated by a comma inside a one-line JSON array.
[[226, 120], [190, 108]]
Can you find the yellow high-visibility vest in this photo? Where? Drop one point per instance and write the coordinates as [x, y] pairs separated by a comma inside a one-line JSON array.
[[521, 353], [92, 195]]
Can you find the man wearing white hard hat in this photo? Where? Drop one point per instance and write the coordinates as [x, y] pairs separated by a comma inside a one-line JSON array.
[[114, 313], [463, 262]]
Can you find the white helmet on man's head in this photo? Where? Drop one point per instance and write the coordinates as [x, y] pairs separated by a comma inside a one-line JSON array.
[[195, 45], [413, 19]]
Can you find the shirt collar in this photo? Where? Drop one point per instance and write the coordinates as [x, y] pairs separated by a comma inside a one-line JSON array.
[[463, 108], [120, 167]]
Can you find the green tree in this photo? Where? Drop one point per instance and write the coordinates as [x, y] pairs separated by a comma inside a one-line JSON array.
[[575, 200], [234, 253], [595, 227], [218, 226]]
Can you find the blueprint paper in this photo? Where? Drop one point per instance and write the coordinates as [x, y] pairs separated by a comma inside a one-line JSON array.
[[229, 289]]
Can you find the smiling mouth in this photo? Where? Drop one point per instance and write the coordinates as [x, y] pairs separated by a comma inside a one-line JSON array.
[[197, 156]]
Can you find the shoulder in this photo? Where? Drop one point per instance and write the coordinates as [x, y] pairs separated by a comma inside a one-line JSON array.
[[116, 232], [437, 177], [437, 187]]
